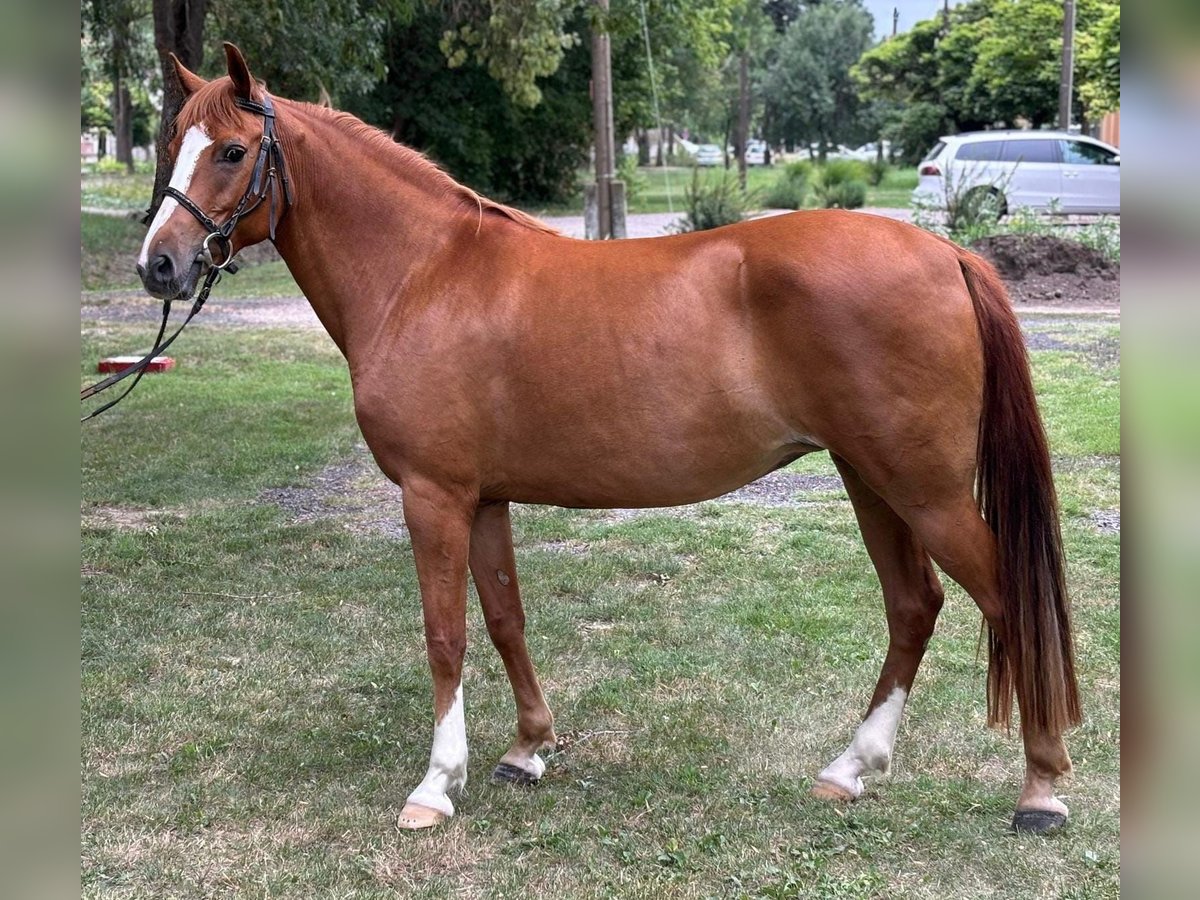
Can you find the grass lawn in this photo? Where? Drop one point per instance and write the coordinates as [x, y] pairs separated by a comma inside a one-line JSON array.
[[256, 702]]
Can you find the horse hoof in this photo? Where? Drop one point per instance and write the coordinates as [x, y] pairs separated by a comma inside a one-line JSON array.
[[1037, 821], [827, 790], [513, 775], [415, 817]]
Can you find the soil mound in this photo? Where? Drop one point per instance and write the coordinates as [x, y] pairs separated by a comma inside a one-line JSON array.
[[1018, 256]]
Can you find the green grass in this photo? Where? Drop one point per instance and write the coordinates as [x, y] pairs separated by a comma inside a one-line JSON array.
[[256, 702], [109, 246], [116, 191]]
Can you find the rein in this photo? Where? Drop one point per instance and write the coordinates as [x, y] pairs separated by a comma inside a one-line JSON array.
[[268, 175]]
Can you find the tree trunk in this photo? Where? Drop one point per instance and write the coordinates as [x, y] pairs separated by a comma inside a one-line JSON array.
[[670, 143], [643, 144], [178, 29], [122, 107], [742, 135]]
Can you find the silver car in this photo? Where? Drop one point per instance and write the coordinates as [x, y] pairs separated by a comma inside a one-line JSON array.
[[1040, 170]]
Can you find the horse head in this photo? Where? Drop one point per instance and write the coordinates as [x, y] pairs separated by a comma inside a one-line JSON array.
[[227, 170]]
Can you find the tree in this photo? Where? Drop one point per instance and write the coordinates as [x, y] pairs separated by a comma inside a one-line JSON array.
[[1099, 67], [178, 30], [466, 121], [516, 41], [810, 83], [753, 33], [117, 32], [1017, 72]]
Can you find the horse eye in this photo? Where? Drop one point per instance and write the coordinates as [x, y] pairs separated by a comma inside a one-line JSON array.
[[234, 154]]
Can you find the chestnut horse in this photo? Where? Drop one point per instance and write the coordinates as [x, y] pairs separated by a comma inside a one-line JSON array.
[[494, 360]]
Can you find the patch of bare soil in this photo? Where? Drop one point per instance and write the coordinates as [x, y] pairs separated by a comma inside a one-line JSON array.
[[352, 491], [120, 518], [1045, 270]]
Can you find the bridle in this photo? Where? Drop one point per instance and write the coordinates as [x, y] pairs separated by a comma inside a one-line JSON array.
[[266, 180]]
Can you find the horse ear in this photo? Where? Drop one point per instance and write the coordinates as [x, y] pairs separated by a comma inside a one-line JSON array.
[[239, 72], [190, 80]]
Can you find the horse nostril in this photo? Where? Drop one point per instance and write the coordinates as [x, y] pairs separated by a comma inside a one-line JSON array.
[[162, 269]]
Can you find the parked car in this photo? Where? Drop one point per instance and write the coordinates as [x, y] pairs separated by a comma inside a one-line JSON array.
[[1032, 169], [709, 155], [756, 153]]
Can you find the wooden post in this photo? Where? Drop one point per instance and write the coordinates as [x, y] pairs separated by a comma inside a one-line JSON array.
[[1067, 78], [602, 122]]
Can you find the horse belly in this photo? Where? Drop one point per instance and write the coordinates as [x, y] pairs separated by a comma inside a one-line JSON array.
[[647, 454]]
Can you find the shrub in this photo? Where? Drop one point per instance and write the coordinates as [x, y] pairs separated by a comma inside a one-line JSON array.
[[877, 170], [840, 194], [635, 181], [789, 188], [838, 171], [800, 168], [110, 166], [713, 203]]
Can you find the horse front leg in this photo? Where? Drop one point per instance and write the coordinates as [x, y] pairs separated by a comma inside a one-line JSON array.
[[439, 520], [913, 598], [494, 569]]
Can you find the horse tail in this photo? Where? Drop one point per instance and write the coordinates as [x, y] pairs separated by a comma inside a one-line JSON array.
[[1015, 490]]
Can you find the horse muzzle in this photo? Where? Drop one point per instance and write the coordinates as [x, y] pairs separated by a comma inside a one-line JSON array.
[[164, 277]]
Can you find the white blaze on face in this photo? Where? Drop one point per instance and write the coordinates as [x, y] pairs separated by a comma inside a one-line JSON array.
[[871, 750], [447, 761], [194, 142]]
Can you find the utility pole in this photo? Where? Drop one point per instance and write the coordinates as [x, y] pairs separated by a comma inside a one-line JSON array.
[[895, 19], [604, 212], [1067, 79]]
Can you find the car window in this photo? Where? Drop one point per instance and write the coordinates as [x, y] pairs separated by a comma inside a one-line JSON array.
[[980, 151], [1081, 153], [935, 152], [1030, 151]]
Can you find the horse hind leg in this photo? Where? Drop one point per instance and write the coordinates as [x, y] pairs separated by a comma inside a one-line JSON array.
[[493, 568], [913, 598], [966, 549]]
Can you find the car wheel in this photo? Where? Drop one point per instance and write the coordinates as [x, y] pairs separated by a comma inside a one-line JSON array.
[[985, 204]]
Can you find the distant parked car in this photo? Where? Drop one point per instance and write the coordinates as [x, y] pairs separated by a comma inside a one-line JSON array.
[[709, 155], [1031, 169], [756, 153]]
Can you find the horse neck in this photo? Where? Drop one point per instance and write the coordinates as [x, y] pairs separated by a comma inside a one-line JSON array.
[[365, 215]]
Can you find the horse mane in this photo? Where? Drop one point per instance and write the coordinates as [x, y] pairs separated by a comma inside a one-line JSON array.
[[215, 103]]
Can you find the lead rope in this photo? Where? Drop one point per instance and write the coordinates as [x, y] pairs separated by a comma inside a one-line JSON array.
[[139, 367]]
